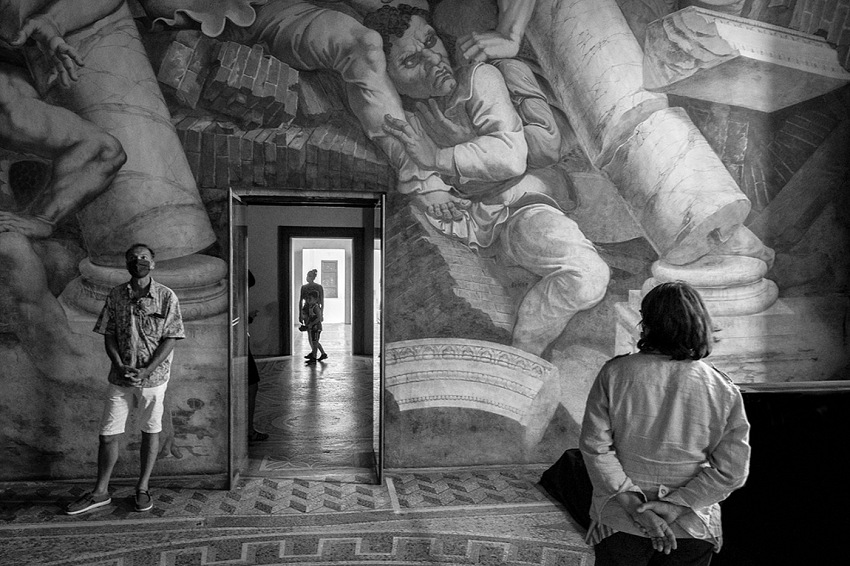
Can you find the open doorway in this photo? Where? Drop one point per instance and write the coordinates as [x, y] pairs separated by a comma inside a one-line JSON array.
[[322, 419]]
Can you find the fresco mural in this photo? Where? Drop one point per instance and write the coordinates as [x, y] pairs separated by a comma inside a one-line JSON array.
[[538, 182], [98, 109]]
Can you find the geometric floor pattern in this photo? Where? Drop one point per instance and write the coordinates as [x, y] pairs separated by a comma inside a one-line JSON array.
[[485, 516], [40, 502], [308, 498]]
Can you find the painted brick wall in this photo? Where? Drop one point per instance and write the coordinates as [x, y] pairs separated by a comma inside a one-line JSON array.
[[829, 18], [333, 155], [229, 78], [437, 287]]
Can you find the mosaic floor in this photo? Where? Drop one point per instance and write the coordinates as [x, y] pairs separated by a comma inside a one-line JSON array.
[[479, 516], [308, 497], [320, 416]]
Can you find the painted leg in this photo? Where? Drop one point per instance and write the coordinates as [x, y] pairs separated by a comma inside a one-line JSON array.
[[574, 277], [85, 159], [34, 315]]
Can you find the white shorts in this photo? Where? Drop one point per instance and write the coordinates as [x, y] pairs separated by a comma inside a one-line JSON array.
[[121, 401]]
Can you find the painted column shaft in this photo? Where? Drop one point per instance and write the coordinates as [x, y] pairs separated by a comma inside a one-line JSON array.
[[154, 198], [673, 182], [677, 188], [595, 64]]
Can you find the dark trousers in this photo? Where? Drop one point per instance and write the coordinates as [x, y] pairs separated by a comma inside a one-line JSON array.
[[621, 549], [253, 370]]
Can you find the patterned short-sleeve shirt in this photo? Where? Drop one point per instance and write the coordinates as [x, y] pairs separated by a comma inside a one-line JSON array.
[[139, 326]]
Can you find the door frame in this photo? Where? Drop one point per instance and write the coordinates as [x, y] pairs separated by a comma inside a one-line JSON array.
[[237, 340], [362, 287], [367, 234]]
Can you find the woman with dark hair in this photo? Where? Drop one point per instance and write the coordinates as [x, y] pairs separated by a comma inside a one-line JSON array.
[[664, 439]]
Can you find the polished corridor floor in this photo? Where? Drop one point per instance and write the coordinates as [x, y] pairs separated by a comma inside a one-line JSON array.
[[321, 417]]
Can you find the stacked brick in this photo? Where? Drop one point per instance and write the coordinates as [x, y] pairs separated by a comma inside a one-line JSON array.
[[335, 155], [438, 286], [254, 88], [321, 97], [236, 80]]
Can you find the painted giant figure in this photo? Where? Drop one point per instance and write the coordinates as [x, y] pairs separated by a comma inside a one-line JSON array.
[[79, 94], [553, 160]]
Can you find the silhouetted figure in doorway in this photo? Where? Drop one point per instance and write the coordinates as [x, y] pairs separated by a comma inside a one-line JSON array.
[[314, 326], [310, 285]]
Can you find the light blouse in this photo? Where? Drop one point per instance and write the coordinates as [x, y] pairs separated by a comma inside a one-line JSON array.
[[668, 430]]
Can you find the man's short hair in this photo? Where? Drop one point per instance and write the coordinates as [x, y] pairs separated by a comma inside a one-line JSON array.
[[393, 21], [139, 245]]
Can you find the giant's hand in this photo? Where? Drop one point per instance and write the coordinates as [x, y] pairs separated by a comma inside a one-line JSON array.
[[484, 46], [444, 132], [30, 226], [442, 205], [418, 145], [45, 32]]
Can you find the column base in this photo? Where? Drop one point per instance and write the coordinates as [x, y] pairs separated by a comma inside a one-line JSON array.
[[200, 282], [730, 285]]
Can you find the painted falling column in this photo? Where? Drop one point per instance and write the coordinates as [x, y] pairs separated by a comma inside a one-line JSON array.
[[676, 187], [154, 199]]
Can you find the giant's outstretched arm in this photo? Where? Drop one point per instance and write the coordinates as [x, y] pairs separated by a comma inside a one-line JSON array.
[[504, 41], [50, 26]]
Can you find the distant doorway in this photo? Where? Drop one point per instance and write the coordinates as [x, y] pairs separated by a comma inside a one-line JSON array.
[[324, 419], [332, 260], [350, 269]]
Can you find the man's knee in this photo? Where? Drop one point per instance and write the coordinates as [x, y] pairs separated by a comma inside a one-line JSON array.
[[592, 281], [97, 148], [109, 439], [110, 153], [582, 282]]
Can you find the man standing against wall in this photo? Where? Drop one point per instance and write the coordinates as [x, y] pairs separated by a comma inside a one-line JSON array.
[[140, 323]]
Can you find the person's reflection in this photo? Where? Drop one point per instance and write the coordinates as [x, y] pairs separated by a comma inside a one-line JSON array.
[[253, 377]]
